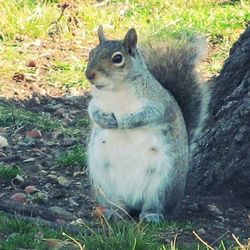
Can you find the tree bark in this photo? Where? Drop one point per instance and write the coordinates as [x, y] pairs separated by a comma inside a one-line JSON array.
[[221, 163]]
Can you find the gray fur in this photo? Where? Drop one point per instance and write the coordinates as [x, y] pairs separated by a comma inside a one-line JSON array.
[[175, 68], [139, 129]]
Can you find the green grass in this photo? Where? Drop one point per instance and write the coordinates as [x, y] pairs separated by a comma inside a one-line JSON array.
[[67, 41], [9, 172], [76, 158], [16, 233], [29, 31], [122, 236], [11, 115]]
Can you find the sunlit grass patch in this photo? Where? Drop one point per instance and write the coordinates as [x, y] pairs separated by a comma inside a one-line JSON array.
[[9, 172], [75, 158], [11, 115]]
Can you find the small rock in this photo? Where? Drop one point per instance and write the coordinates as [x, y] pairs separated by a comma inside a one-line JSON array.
[[40, 197], [57, 193], [214, 209], [63, 181], [30, 189], [59, 112], [67, 121], [31, 63], [78, 173], [17, 181], [34, 133], [37, 100], [44, 172], [73, 113], [18, 197], [52, 178], [67, 142], [53, 107], [201, 231], [73, 203], [2, 154], [31, 159], [61, 213], [3, 142], [2, 131], [47, 185]]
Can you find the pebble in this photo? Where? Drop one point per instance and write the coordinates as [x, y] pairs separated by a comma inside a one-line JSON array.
[[73, 203], [61, 213], [44, 172], [214, 209], [34, 133], [31, 159], [2, 154], [59, 112], [18, 197], [30, 189], [3, 142], [37, 100], [63, 181], [52, 177], [78, 173], [201, 231]]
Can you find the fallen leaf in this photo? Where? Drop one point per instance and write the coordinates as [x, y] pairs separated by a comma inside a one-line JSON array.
[[18, 77], [34, 133], [18, 197], [31, 64], [17, 181]]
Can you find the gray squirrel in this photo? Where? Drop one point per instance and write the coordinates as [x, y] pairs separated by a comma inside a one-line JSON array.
[[148, 106]]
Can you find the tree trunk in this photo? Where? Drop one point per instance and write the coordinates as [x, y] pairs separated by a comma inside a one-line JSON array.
[[221, 163]]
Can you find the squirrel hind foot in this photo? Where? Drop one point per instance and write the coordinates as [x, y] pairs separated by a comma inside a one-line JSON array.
[[151, 217]]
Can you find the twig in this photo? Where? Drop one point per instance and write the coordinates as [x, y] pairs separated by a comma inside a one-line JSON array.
[[220, 237], [75, 241], [237, 241], [173, 242], [201, 240]]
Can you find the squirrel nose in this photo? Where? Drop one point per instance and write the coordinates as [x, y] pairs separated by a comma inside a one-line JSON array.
[[90, 74]]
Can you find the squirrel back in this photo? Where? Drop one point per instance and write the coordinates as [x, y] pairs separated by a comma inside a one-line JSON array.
[[174, 65]]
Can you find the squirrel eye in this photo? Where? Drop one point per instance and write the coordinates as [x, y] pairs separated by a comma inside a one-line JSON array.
[[117, 59]]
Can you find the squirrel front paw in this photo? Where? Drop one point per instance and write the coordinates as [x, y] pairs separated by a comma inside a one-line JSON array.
[[105, 120]]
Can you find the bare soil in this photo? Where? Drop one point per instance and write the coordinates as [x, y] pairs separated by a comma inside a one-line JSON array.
[[212, 218]]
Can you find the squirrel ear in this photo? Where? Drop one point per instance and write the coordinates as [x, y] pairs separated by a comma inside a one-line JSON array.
[[130, 41], [101, 34]]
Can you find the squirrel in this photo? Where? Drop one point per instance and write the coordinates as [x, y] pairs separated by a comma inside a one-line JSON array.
[[148, 106]]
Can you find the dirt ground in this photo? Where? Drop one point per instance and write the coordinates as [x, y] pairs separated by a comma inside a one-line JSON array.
[[64, 193]]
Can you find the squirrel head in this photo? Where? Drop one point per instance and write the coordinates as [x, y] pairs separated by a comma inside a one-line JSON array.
[[111, 62]]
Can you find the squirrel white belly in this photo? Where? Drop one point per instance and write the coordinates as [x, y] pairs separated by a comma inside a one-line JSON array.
[[138, 154]]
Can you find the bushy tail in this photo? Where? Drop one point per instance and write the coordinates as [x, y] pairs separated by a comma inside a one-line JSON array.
[[173, 64]]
